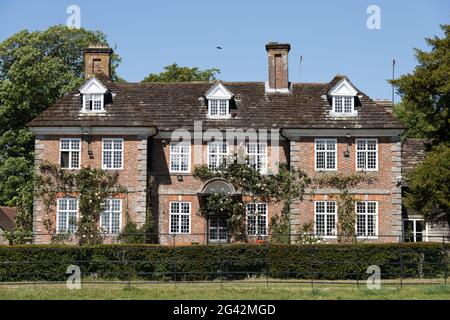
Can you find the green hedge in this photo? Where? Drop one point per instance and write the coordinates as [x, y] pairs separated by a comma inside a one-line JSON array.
[[235, 261]]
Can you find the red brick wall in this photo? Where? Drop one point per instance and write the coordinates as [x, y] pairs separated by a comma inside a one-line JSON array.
[[49, 150], [167, 188], [383, 189]]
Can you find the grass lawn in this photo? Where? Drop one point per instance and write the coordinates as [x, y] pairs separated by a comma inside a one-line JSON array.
[[230, 290]]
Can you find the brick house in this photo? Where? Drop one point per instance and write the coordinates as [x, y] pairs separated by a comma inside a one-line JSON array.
[[136, 128]]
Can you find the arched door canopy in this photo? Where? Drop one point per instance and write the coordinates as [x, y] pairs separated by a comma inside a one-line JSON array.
[[218, 185]]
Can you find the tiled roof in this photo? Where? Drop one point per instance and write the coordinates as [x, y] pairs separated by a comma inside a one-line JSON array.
[[169, 106], [413, 153], [7, 218]]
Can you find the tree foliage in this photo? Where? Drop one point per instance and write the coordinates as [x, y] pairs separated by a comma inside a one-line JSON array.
[[175, 73], [36, 69], [429, 186], [425, 93], [425, 111]]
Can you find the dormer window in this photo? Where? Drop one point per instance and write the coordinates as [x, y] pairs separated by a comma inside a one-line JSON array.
[[218, 108], [343, 96], [93, 102], [343, 104], [93, 93], [218, 97]]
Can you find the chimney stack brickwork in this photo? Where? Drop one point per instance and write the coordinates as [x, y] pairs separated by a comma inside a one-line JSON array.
[[97, 60], [278, 66]]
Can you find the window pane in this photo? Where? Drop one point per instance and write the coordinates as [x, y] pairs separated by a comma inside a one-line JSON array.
[[213, 107], [104, 221], [117, 144], [179, 157], [107, 159], [348, 104], [65, 159], [360, 225], [174, 223], [338, 104], [117, 160], [330, 160], [361, 160], [107, 144], [115, 222], [62, 221], [331, 224], [75, 144], [320, 224], [75, 159], [223, 108], [184, 224]]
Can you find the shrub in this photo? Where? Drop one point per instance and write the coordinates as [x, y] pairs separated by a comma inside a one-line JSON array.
[[235, 261]]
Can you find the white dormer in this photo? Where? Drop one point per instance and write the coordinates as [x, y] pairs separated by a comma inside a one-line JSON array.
[[343, 99], [218, 97], [93, 93]]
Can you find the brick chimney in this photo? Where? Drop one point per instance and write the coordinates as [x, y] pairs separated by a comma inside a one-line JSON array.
[[278, 66], [97, 60]]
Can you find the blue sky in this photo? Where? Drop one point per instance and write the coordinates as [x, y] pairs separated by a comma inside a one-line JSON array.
[[332, 36]]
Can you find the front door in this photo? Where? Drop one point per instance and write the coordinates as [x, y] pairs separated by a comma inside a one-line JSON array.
[[217, 230]]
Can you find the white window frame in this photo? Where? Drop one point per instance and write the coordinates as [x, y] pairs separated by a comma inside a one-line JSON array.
[[325, 152], [221, 156], [366, 151], [262, 170], [71, 151], [424, 231], [188, 170], [67, 212], [257, 216], [325, 214], [94, 97], [366, 219], [219, 115], [342, 99], [180, 214], [110, 212], [113, 151]]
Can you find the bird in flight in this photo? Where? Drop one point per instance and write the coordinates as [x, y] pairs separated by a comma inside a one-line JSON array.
[[220, 48]]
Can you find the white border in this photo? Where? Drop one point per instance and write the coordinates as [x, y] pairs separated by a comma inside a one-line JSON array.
[[110, 220], [325, 213], [70, 153], [335, 152], [112, 150], [267, 219], [219, 116], [262, 171], [57, 215], [179, 213], [376, 224], [208, 153], [170, 157], [356, 154]]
